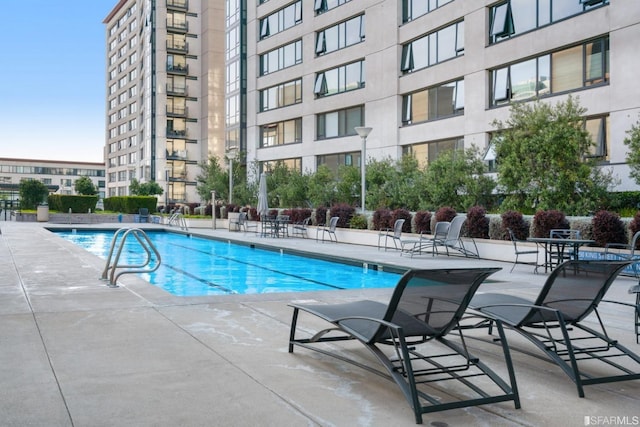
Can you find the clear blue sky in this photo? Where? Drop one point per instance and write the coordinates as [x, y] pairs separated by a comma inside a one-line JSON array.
[[52, 96]]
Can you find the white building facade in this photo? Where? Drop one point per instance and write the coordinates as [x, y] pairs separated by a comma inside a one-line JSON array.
[[431, 75]]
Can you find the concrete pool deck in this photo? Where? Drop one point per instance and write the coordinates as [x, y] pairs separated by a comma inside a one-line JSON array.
[[75, 352]]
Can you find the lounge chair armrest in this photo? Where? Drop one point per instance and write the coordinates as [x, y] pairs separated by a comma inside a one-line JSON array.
[[634, 306], [371, 319]]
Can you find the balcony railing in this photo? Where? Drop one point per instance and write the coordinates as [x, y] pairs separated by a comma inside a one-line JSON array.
[[173, 133], [177, 27], [177, 69], [177, 47], [178, 4], [175, 111], [176, 154], [175, 90]]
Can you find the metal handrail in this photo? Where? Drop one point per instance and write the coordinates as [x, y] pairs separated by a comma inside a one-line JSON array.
[[178, 220], [145, 243]]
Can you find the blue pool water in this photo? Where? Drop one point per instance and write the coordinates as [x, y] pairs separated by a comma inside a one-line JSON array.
[[193, 266]]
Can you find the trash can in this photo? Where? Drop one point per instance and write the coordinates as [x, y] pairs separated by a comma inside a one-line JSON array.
[[42, 213]]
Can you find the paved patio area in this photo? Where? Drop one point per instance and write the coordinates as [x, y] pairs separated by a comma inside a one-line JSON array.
[[74, 352]]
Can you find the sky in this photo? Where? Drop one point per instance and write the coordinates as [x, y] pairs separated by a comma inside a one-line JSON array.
[[52, 95]]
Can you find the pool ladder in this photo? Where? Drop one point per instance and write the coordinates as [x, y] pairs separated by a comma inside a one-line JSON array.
[[178, 220], [114, 263]]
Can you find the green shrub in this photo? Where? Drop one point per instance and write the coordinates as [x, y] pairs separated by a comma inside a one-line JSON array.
[[77, 204], [130, 204], [358, 222]]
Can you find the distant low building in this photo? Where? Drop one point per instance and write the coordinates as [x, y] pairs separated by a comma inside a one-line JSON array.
[[59, 176]]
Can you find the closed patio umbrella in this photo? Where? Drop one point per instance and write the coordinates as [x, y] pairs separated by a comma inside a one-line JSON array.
[[263, 204]]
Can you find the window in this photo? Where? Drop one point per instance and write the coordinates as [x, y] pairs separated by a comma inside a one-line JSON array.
[[281, 57], [433, 48], [339, 123], [340, 36], [568, 69], [426, 152], [286, 132], [341, 79], [281, 20], [281, 95], [598, 128], [294, 164], [515, 17], [433, 103], [321, 6], [412, 9], [334, 161]]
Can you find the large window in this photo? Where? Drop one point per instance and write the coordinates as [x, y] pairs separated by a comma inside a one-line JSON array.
[[286, 132], [515, 17], [564, 70], [334, 161], [433, 48], [412, 9], [321, 6], [281, 95], [426, 152], [281, 20], [281, 57], [339, 123], [341, 79], [433, 103], [294, 164], [339, 36]]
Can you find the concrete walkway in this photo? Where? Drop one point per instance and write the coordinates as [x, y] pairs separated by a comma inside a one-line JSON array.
[[74, 352]]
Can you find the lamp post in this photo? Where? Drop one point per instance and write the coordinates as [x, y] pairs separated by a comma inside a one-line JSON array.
[[232, 153], [213, 209], [363, 132], [167, 170]]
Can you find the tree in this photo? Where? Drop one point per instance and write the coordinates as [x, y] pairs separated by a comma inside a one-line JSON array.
[[321, 187], [84, 186], [457, 179], [150, 188], [543, 161], [32, 192], [633, 156]]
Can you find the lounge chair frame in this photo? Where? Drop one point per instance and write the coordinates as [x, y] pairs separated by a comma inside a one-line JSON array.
[[553, 322], [426, 305]]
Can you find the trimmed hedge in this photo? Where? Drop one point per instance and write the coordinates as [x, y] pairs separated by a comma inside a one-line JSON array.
[[130, 204], [77, 204]]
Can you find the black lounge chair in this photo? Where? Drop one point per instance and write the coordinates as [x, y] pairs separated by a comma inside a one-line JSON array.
[[554, 322], [425, 307]]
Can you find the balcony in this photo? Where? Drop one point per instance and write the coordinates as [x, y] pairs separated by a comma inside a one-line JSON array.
[[175, 90], [175, 133], [177, 47], [178, 69], [177, 27], [176, 154], [177, 111], [178, 4]]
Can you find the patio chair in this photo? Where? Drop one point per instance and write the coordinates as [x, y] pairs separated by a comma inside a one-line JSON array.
[[330, 230], [623, 251], [143, 214], [554, 322], [300, 229], [560, 252], [409, 337], [519, 251], [416, 246], [453, 239], [394, 234], [245, 225]]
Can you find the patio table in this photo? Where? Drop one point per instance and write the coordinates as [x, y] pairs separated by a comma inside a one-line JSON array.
[[548, 243]]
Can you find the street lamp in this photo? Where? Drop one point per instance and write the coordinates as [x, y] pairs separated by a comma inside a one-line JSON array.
[[363, 132], [232, 153], [167, 170]]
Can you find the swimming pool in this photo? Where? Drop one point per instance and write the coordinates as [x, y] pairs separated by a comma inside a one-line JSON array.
[[194, 266]]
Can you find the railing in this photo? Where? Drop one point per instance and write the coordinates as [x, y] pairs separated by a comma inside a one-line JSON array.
[[176, 219], [111, 265]]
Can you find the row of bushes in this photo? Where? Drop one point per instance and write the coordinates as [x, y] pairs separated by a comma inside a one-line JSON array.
[[603, 227], [63, 202], [130, 204]]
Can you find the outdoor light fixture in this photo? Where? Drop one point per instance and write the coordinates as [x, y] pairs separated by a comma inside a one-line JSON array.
[[232, 153], [363, 132]]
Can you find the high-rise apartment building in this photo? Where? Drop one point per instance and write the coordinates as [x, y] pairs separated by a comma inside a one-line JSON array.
[[165, 77], [431, 75], [288, 80]]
